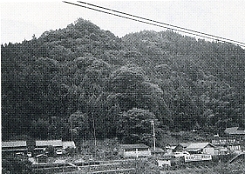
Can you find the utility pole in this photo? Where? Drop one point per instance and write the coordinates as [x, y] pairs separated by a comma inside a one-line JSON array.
[[154, 135], [71, 131]]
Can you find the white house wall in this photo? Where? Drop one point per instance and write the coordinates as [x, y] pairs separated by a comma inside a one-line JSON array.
[[137, 153]]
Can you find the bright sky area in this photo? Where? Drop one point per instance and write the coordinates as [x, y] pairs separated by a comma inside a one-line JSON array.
[[22, 19]]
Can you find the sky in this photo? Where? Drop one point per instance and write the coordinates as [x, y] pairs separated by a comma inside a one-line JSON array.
[[20, 20]]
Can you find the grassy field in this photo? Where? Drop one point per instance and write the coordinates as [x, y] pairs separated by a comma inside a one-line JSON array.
[[220, 169]]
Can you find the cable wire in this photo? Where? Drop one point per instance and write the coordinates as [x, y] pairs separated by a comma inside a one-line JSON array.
[[155, 23], [185, 29]]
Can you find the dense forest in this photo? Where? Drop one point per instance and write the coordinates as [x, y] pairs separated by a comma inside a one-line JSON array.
[[82, 82]]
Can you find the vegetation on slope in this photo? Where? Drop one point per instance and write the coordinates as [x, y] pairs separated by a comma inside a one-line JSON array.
[[81, 81]]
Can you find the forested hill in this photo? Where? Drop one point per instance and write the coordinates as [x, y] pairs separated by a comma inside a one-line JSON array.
[[81, 80]]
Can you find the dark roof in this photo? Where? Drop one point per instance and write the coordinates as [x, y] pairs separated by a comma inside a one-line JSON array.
[[55, 143], [129, 146], [184, 145], [234, 131], [9, 144]]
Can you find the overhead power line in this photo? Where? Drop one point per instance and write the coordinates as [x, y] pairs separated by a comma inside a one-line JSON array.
[[153, 22], [181, 28]]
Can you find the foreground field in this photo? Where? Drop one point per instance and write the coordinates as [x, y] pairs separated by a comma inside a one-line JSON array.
[[236, 168]]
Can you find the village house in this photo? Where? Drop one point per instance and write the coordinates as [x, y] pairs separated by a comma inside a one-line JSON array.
[[201, 148], [181, 147], [237, 133], [41, 145], [226, 144], [134, 150], [9, 147]]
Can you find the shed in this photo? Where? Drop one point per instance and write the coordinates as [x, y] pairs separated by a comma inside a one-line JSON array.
[[201, 148], [70, 144], [134, 150]]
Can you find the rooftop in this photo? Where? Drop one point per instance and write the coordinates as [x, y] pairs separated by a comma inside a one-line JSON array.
[[129, 146], [184, 145], [13, 144], [55, 143], [67, 144], [198, 146], [234, 131]]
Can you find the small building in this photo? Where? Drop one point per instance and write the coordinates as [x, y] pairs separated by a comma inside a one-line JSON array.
[[68, 144], [163, 162], [201, 148], [134, 150], [9, 147]]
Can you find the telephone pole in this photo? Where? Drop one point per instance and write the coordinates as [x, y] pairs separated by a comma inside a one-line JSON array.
[[154, 135]]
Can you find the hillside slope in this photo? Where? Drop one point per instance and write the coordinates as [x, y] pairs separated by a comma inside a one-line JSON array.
[[81, 80]]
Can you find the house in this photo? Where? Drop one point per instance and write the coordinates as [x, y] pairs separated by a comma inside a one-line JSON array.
[[14, 147], [181, 147], [235, 131], [41, 145], [134, 150], [220, 150], [231, 144], [201, 148], [68, 144]]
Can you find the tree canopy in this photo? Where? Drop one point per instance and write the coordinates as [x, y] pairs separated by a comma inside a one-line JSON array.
[[82, 80]]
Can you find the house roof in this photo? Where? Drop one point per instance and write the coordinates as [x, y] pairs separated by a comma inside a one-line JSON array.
[[129, 146], [198, 146], [67, 144], [15, 149], [55, 143], [184, 145], [234, 131], [9, 144]]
